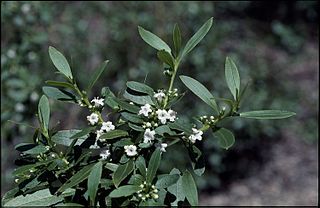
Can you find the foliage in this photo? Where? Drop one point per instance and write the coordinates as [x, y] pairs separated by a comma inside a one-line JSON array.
[[116, 159]]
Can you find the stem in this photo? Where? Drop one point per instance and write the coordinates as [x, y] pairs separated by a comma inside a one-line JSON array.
[[176, 65]]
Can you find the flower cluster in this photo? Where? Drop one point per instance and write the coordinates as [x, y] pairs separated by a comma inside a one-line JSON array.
[[147, 191]]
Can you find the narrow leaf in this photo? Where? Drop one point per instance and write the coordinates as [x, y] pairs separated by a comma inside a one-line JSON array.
[[126, 190], [60, 84], [58, 94], [77, 178], [114, 134], [93, 181], [153, 165], [176, 39], [140, 87], [267, 114], [153, 40], [190, 188], [44, 113], [60, 62], [167, 180], [201, 91], [225, 138], [141, 100], [141, 165], [232, 77], [166, 58], [122, 172], [197, 37], [97, 74]]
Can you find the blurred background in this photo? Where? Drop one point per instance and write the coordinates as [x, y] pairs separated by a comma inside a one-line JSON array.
[[276, 48]]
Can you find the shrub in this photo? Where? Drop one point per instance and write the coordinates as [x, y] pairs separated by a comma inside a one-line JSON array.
[[115, 159]]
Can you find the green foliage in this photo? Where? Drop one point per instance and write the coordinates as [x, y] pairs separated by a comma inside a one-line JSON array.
[[143, 124]]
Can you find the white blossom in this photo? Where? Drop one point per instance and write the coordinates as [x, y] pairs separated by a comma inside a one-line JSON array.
[[172, 115], [131, 150], [93, 118], [162, 115], [97, 102], [196, 135], [163, 147], [105, 154], [145, 110], [107, 126], [148, 136], [159, 95]]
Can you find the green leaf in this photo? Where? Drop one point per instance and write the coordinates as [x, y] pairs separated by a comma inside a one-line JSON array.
[[60, 84], [60, 62], [176, 189], [190, 188], [65, 137], [127, 106], [114, 134], [153, 40], [201, 91], [44, 113], [97, 74], [82, 133], [267, 114], [93, 181], [153, 165], [77, 178], [36, 150], [122, 172], [166, 58], [167, 180], [161, 130], [109, 98], [141, 165], [197, 37], [181, 125], [58, 94], [134, 118], [135, 127], [140, 87], [139, 99], [176, 39], [126, 190], [225, 138], [111, 166], [232, 77], [136, 179], [39, 198]]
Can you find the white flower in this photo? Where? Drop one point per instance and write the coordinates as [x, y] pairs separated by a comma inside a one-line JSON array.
[[159, 95], [163, 147], [107, 126], [105, 154], [148, 136], [196, 135], [162, 115], [99, 133], [97, 102], [172, 115], [93, 118], [131, 150], [145, 109]]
